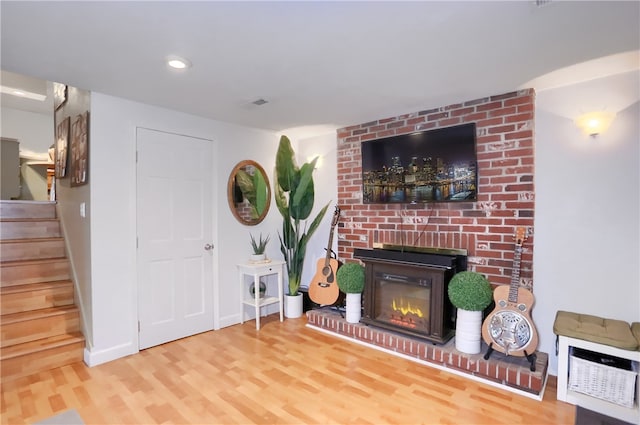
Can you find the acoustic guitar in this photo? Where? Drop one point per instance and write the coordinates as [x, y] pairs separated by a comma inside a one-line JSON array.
[[324, 289], [509, 328]]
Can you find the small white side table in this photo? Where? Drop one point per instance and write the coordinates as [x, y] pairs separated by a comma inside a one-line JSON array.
[[257, 270]]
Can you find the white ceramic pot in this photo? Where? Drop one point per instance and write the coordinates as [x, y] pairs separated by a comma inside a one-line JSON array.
[[258, 257], [468, 331], [293, 306], [354, 308]]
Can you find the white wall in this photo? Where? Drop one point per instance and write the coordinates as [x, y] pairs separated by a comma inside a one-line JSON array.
[[586, 221], [33, 131], [77, 229], [325, 180], [113, 320]]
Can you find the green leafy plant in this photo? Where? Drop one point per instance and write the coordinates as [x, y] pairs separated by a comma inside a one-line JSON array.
[[470, 291], [254, 190], [350, 278], [260, 245], [294, 194]]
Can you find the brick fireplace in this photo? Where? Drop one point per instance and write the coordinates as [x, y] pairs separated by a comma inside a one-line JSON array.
[[484, 228]]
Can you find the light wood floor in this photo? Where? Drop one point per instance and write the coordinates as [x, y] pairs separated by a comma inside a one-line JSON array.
[[284, 373]]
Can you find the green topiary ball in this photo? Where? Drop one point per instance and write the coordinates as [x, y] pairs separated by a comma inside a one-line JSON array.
[[350, 278], [470, 291]]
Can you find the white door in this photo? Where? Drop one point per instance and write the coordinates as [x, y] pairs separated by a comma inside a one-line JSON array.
[[175, 232]]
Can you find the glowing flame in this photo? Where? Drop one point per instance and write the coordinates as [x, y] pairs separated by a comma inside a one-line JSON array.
[[404, 309], [405, 324]]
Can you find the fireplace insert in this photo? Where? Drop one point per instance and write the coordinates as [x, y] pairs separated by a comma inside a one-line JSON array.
[[406, 291]]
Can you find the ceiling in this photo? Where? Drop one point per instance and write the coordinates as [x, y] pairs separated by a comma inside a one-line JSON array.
[[320, 65]]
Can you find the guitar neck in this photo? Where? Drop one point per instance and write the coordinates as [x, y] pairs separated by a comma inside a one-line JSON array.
[[515, 275], [334, 222], [329, 245]]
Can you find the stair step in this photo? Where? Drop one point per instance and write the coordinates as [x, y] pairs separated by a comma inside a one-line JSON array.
[[29, 228], [44, 354], [18, 328], [27, 209], [35, 296], [33, 271], [32, 249], [39, 325]]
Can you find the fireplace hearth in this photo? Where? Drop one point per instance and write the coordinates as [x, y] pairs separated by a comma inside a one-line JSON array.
[[406, 291], [511, 373]]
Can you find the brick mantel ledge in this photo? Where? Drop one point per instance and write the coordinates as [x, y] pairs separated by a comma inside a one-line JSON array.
[[510, 372]]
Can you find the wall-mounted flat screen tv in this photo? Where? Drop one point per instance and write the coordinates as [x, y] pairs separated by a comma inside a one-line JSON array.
[[437, 165]]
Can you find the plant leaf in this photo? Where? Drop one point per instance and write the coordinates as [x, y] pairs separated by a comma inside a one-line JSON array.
[[288, 234], [245, 182], [247, 186], [316, 221], [281, 202], [285, 164], [260, 186], [303, 197]]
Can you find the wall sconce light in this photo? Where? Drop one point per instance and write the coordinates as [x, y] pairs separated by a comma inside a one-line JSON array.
[[594, 123]]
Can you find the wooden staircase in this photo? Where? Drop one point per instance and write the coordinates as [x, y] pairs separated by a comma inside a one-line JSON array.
[[39, 322]]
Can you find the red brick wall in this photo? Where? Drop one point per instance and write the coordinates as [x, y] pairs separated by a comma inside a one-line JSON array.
[[484, 228]]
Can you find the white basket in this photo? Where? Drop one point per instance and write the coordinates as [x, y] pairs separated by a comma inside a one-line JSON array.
[[605, 382]]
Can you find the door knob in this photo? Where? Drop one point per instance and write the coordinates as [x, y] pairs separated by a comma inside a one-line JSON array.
[[208, 247]]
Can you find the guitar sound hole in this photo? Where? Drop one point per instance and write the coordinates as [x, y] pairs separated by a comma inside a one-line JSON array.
[[328, 273]]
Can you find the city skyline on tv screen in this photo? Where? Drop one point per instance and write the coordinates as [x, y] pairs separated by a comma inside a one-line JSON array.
[[431, 166]]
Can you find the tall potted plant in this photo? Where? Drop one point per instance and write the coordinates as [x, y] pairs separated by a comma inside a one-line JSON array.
[[470, 292], [294, 194]]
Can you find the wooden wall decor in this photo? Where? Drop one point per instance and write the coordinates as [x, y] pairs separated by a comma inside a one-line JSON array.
[[62, 144], [79, 167], [59, 95]]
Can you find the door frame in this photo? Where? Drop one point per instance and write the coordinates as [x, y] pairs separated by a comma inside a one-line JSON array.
[[214, 228]]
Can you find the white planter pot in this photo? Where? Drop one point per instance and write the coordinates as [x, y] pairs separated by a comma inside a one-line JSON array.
[[468, 331], [293, 306], [257, 257], [354, 308]]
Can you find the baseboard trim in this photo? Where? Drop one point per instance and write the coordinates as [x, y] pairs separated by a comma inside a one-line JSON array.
[[93, 357]]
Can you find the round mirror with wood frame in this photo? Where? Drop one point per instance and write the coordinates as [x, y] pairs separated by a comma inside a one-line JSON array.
[[249, 192]]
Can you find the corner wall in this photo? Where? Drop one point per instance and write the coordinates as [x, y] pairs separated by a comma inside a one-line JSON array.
[[76, 228], [114, 302], [587, 221]]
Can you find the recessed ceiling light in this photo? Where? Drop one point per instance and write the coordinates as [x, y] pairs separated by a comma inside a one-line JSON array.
[[177, 62], [22, 93]]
